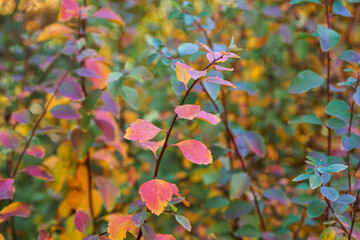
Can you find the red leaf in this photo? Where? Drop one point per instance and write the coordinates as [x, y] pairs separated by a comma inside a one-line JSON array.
[[65, 112], [82, 221], [109, 15], [43, 235], [108, 191], [38, 172], [69, 10], [9, 139], [6, 188], [36, 151], [156, 193], [118, 226], [22, 116], [141, 130], [165, 237], [218, 80], [195, 151], [208, 117], [188, 111], [18, 209]]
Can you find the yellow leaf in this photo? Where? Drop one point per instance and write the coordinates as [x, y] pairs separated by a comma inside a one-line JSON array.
[[54, 30]]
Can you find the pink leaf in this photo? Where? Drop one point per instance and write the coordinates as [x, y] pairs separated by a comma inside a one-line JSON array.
[[22, 116], [175, 190], [87, 72], [36, 151], [108, 14], [195, 151], [165, 237], [6, 188], [218, 80], [82, 221], [187, 111], [65, 112], [156, 194], [221, 68], [9, 139], [107, 124], [197, 74], [141, 130], [71, 90], [69, 10], [38, 172], [208, 117], [108, 191], [153, 145], [43, 235]]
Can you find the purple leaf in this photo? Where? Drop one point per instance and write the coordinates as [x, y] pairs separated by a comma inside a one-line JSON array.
[[350, 56], [22, 116], [64, 112], [87, 72], [273, 11], [6, 188], [275, 194], [9, 139], [110, 104], [36, 151], [71, 90], [81, 220], [38, 172]]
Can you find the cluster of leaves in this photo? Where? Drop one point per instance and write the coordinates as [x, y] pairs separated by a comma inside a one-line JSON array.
[[108, 131]]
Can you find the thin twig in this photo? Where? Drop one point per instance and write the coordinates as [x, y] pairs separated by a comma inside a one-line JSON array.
[[39, 120]]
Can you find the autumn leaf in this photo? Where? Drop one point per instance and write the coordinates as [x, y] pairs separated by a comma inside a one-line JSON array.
[[108, 14], [37, 151], [182, 73], [18, 209], [188, 111], [195, 151], [54, 30], [43, 235], [118, 226], [69, 10], [141, 130], [165, 237], [153, 145], [38, 172], [208, 117], [156, 194], [82, 221], [220, 81], [108, 191], [6, 188], [101, 70], [10, 139]]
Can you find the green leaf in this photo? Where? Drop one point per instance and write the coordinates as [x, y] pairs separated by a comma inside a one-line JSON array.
[[216, 202], [239, 183], [302, 177], [335, 123], [336, 168], [293, 2], [315, 208], [305, 81], [187, 49], [248, 231], [310, 118], [315, 181], [82, 141], [237, 209], [349, 143], [329, 233], [130, 96], [336, 108], [339, 9], [345, 199], [328, 38], [184, 222], [91, 100], [329, 193], [350, 56], [114, 76]]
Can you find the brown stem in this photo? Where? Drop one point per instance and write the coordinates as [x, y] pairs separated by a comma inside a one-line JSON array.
[[39, 120], [174, 120], [349, 134], [301, 224], [356, 209], [337, 219], [91, 206], [243, 166]]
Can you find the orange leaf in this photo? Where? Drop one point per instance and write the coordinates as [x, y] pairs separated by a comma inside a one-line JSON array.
[[18, 209], [156, 193], [141, 130], [69, 9], [182, 73], [108, 14], [118, 226], [195, 151], [108, 191], [54, 30], [100, 69], [188, 111]]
